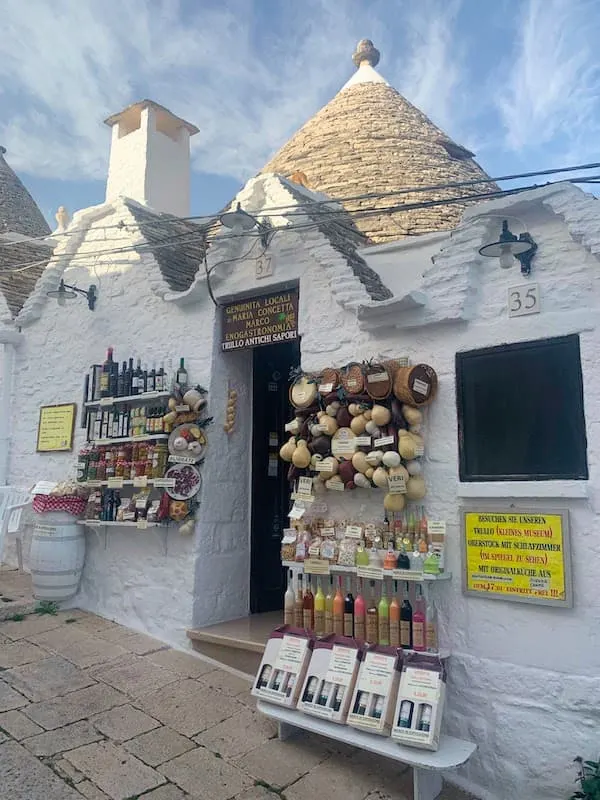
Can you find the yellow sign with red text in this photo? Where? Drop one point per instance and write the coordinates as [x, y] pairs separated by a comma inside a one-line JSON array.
[[517, 555]]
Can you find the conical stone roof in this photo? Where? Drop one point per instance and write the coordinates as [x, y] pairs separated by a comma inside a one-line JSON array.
[[371, 140], [18, 211]]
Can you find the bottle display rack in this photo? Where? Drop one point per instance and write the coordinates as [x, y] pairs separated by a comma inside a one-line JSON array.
[[146, 397], [372, 573]]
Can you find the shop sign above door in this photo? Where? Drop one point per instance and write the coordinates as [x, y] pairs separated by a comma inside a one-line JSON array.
[[517, 554], [266, 319]]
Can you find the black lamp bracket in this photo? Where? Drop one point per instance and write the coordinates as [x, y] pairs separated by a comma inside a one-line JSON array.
[[526, 258]]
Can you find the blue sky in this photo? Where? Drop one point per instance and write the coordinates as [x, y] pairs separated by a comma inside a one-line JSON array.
[[516, 81]]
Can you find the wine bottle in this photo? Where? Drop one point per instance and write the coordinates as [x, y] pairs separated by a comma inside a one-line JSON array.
[[182, 376], [406, 616], [372, 622], [329, 607], [145, 378], [121, 380], [106, 374], [139, 377], [298, 610], [395, 618], [308, 608], [151, 381], [319, 611], [161, 380], [348, 612], [360, 630], [338, 609], [129, 377], [383, 618]]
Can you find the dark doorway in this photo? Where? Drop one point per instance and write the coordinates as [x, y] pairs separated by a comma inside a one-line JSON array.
[[271, 410]]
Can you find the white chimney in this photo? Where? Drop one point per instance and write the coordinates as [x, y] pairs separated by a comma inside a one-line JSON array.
[[150, 158]]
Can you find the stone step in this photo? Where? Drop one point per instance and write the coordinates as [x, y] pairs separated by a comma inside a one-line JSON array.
[[238, 643]]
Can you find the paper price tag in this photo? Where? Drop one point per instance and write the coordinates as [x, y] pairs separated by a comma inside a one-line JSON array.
[[406, 575], [419, 451], [316, 566], [337, 486], [290, 426], [305, 485], [181, 460], [354, 531], [396, 484], [94, 484], [325, 388], [297, 512], [291, 654], [377, 377], [377, 673], [141, 481], [363, 441], [383, 441], [106, 401], [420, 387], [341, 665], [322, 466], [164, 483], [317, 429], [115, 483], [327, 532], [142, 524], [370, 573], [346, 448], [436, 527], [141, 438], [182, 409]]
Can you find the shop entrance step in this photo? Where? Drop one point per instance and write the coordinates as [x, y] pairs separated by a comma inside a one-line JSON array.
[[238, 643]]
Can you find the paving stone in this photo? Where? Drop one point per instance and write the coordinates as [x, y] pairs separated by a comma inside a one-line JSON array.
[[95, 624], [23, 777], [183, 664], [258, 793], [30, 626], [82, 648], [158, 746], [51, 714], [67, 738], [67, 771], [99, 669], [50, 677], [226, 682], [167, 792], [239, 734], [188, 706], [279, 764], [9, 699], [90, 791], [200, 773], [116, 772], [338, 778], [123, 722], [138, 643], [3, 737], [137, 677], [18, 725], [21, 652], [247, 699]]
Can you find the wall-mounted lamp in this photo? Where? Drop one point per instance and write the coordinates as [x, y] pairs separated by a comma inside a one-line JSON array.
[[66, 292], [509, 246], [238, 221]]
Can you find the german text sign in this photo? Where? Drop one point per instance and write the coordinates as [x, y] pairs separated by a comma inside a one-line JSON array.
[[267, 319], [55, 428], [517, 554]]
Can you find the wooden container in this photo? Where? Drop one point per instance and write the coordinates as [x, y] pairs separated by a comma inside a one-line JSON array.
[[331, 377], [378, 381], [352, 378], [303, 392], [416, 386]]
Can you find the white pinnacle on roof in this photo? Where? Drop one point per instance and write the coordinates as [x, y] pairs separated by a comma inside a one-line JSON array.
[[366, 58]]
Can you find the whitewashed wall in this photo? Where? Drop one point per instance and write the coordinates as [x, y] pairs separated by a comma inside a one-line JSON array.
[[524, 679]]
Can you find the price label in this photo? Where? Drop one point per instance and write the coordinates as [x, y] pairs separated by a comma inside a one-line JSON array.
[[305, 486], [106, 401], [115, 483], [344, 448], [420, 387], [354, 531], [181, 460], [396, 484], [419, 451], [363, 441], [181, 409], [370, 573], [141, 438], [94, 484], [290, 426], [383, 441], [436, 527], [406, 575], [297, 512], [142, 524], [316, 566], [328, 532], [325, 388], [378, 377], [317, 429], [164, 483], [322, 466], [141, 481], [337, 486]]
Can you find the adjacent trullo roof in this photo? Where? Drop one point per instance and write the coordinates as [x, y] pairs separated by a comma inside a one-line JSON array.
[[370, 139], [20, 215]]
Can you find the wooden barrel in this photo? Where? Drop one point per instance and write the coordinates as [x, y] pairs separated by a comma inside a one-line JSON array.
[[56, 557], [415, 386]]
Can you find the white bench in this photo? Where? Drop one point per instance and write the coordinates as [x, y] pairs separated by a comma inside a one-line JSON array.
[[427, 766]]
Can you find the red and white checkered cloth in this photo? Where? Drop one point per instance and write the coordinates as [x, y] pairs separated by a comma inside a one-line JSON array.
[[44, 503]]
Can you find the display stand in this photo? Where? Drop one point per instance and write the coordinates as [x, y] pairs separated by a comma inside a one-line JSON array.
[[427, 766]]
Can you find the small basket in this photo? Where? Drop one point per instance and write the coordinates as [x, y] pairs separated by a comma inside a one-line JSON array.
[[48, 503], [416, 386], [352, 378], [378, 381], [330, 376]]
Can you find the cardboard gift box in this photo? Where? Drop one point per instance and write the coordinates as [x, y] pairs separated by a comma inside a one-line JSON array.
[[420, 702], [329, 683], [283, 667], [374, 696]]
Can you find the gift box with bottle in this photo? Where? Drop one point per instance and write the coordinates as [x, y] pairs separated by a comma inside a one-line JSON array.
[[283, 666], [420, 702], [374, 696], [330, 678]]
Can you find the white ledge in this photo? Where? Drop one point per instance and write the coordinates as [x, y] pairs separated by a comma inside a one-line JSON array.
[[508, 489]]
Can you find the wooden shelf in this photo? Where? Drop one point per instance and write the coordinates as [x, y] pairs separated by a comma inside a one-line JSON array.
[[124, 482], [145, 397], [147, 437], [416, 577], [100, 523]]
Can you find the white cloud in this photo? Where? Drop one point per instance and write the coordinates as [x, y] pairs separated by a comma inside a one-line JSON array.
[[552, 95], [247, 74]]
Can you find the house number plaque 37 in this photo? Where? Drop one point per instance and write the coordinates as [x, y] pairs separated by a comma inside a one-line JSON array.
[[524, 299]]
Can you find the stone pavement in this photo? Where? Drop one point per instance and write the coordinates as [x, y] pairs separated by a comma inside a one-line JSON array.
[[89, 709]]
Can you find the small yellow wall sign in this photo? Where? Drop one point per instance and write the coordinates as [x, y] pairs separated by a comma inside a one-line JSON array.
[[55, 428], [517, 554]]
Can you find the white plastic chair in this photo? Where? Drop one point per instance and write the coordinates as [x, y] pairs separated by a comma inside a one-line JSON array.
[[12, 503]]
